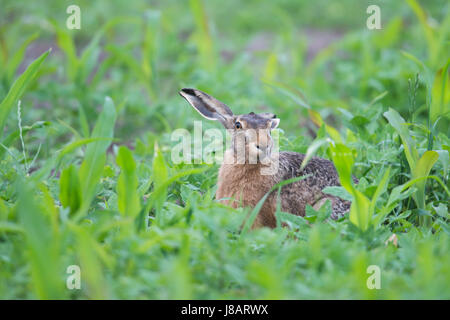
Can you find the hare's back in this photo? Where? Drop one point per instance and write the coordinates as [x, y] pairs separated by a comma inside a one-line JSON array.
[[321, 172]]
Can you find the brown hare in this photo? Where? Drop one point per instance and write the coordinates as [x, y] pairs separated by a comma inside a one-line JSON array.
[[242, 182]]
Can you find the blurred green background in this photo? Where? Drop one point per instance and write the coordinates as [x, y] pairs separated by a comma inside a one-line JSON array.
[[148, 50], [313, 63]]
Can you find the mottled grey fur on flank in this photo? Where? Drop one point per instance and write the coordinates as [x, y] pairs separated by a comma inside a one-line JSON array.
[[322, 173]]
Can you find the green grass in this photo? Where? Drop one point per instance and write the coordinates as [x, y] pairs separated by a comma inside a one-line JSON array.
[[86, 176]]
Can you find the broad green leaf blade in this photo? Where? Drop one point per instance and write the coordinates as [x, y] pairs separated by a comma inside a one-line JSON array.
[[127, 184], [95, 157], [69, 189], [17, 58], [312, 149], [18, 89], [67, 45], [293, 93], [440, 100], [78, 143], [202, 36], [339, 192], [90, 264], [428, 31], [396, 121], [422, 169], [159, 176], [150, 48], [381, 188], [14, 135], [89, 58], [343, 161], [54, 162], [160, 190], [41, 245], [360, 214]]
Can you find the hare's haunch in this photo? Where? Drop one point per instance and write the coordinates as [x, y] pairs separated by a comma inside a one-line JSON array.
[[251, 168]]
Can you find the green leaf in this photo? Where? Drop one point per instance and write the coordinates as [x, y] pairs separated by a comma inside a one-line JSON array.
[[441, 210], [360, 214], [18, 88], [67, 45], [127, 184], [89, 57], [202, 36], [339, 192], [78, 143], [41, 244], [69, 189], [381, 188], [160, 191], [422, 169], [17, 58], [54, 161], [150, 49], [297, 221], [428, 31], [396, 121], [440, 94], [14, 135], [89, 252], [291, 92], [312, 149], [10, 227], [320, 214], [159, 176], [95, 157], [390, 34], [343, 160]]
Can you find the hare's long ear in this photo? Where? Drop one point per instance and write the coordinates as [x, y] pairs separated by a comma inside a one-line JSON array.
[[273, 120], [268, 115], [209, 107], [274, 123]]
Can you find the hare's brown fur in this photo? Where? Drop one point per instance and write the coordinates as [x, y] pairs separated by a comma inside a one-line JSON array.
[[247, 186], [242, 184]]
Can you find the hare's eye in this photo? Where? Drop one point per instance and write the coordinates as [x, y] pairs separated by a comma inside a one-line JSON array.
[[238, 125]]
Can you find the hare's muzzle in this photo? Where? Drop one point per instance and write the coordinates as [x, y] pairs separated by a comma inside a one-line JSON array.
[[264, 144]]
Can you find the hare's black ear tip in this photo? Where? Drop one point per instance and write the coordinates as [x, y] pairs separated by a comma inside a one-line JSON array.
[[188, 91]]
